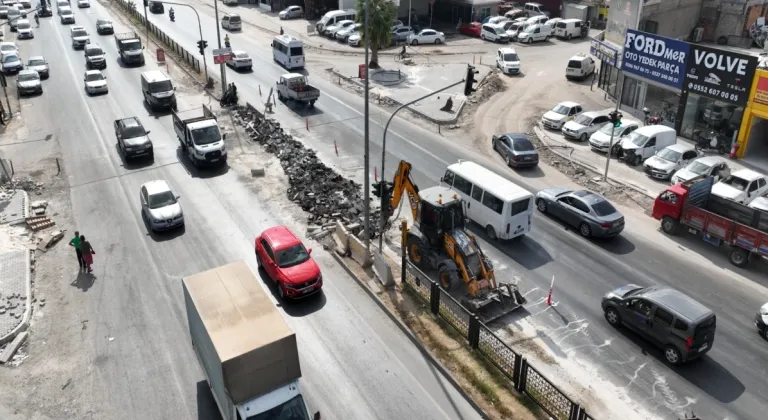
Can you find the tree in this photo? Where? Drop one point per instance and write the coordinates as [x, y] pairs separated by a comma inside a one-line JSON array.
[[381, 14]]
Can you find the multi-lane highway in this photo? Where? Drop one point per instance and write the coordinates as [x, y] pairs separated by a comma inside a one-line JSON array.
[[133, 358], [613, 371]]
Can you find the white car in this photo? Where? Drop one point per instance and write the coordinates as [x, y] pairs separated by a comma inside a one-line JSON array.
[[95, 82], [83, 3], [707, 166], [669, 160], [336, 27], [560, 114], [579, 67], [513, 28], [8, 47], [535, 32], [355, 39], [240, 60], [581, 127], [537, 19], [67, 17], [80, 37], [344, 34], [742, 186], [24, 29], [12, 62], [600, 140], [62, 9], [761, 203], [426, 36], [497, 19], [28, 83], [291, 12], [160, 206], [508, 61]]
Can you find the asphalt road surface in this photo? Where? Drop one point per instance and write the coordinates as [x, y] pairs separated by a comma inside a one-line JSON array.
[[729, 382], [136, 350]]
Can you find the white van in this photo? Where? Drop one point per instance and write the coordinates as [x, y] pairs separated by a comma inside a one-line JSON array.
[[288, 51], [334, 16], [232, 22], [645, 142], [502, 207], [495, 33], [535, 9], [569, 28], [535, 32]]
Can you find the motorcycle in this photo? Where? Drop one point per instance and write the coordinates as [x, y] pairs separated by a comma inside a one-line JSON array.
[[172, 15], [230, 96], [655, 120], [713, 142]]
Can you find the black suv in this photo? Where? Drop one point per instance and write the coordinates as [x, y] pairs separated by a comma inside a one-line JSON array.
[[104, 27], [133, 139], [155, 7]]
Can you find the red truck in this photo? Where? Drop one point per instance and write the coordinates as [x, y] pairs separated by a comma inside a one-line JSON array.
[[744, 230]]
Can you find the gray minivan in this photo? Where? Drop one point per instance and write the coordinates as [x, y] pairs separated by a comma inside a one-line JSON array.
[[670, 319]]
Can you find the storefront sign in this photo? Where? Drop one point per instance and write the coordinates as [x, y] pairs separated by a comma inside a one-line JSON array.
[[655, 58], [720, 74], [761, 91], [603, 52]]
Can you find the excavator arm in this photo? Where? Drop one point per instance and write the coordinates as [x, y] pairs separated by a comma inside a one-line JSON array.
[[401, 185]]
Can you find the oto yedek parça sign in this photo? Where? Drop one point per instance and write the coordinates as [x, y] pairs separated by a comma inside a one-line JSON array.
[[655, 58]]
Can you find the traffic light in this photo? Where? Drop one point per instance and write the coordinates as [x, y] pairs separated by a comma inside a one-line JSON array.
[[202, 45], [383, 190], [146, 3], [615, 117], [469, 81]]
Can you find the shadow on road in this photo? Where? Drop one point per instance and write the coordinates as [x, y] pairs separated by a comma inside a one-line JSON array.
[[523, 250], [84, 281], [206, 405], [618, 245], [202, 172]]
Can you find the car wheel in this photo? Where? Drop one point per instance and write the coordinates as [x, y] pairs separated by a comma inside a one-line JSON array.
[[438, 41], [530, 40], [583, 137], [280, 291], [585, 230], [491, 232], [482, 37], [672, 355], [669, 225], [541, 205], [259, 264], [613, 317], [508, 161], [738, 257], [569, 37], [637, 160], [546, 38]]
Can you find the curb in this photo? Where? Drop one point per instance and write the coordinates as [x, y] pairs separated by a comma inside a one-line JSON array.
[[404, 328], [28, 303], [542, 134], [398, 103]]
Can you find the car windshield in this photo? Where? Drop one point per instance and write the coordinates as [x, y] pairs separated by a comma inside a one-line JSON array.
[[161, 86], [133, 131], [242, 55], [163, 199], [583, 120], [511, 57], [234, 19], [36, 62], [28, 77], [10, 58], [293, 409], [670, 155], [67, 13], [603, 208], [131, 45], [637, 139], [7, 47], [561, 109], [79, 32], [609, 128], [103, 22], [522, 145], [297, 51], [206, 135], [699, 168], [294, 255], [529, 29], [94, 51], [93, 77], [499, 30], [24, 25], [740, 184], [574, 64]]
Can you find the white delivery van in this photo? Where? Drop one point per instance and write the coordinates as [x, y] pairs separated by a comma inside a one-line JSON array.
[[569, 28], [232, 22], [288, 51], [645, 142], [502, 207], [334, 16]]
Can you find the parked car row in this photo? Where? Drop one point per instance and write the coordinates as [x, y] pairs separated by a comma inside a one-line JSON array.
[[525, 29]]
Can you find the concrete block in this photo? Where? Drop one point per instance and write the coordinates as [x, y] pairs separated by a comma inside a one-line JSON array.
[[259, 172], [382, 270], [12, 348], [342, 236], [357, 250]]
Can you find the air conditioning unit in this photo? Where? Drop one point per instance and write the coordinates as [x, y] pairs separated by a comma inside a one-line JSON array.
[[698, 34]]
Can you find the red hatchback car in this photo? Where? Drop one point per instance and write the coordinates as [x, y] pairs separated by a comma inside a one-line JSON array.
[[471, 29], [288, 263]]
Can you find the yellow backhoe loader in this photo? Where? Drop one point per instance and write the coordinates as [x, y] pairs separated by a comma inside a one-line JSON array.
[[439, 241]]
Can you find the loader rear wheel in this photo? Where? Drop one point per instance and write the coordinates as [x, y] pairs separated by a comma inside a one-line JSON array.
[[448, 276], [416, 251]]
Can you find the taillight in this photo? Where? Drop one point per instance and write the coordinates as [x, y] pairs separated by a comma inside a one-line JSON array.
[[605, 225], [689, 343], [507, 227]]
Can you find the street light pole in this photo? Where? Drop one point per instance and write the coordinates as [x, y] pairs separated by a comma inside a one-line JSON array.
[[199, 28], [222, 68], [383, 219], [366, 141], [610, 144], [146, 21]]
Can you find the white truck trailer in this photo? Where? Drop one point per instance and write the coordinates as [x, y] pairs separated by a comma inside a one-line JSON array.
[[247, 351]]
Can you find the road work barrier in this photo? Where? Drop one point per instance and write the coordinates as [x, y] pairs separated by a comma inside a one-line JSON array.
[[173, 46]]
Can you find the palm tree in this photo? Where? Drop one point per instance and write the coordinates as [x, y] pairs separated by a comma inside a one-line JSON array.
[[381, 14]]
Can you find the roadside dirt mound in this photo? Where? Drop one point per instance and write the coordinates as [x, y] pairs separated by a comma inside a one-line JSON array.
[[491, 85]]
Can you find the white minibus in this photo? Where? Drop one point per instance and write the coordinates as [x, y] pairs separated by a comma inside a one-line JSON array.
[[500, 206], [334, 16], [288, 51]]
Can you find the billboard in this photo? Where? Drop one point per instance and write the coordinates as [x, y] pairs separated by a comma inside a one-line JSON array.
[[603, 51], [622, 15], [657, 58], [720, 74]]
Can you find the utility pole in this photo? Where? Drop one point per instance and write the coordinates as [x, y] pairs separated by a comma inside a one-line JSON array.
[[615, 118], [366, 175], [199, 28], [222, 67], [146, 19]]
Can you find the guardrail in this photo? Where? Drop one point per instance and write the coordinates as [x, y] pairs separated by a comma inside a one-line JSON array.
[[186, 56], [524, 377]]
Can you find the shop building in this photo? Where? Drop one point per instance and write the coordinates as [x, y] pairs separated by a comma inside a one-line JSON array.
[[753, 134]]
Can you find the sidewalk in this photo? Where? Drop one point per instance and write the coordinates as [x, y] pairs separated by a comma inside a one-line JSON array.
[[15, 279], [407, 83], [632, 176]]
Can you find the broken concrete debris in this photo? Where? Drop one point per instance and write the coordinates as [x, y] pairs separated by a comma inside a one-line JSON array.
[[316, 188]]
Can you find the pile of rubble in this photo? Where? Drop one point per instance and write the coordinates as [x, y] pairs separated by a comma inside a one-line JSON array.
[[488, 86], [316, 188], [27, 184]]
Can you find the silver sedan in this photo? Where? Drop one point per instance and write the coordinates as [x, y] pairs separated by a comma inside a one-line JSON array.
[[590, 212]]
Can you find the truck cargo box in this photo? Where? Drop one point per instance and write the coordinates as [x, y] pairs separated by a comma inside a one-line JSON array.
[[241, 339]]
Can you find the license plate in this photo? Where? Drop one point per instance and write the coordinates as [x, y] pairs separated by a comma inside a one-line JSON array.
[[215, 160], [704, 347], [528, 158], [309, 290]]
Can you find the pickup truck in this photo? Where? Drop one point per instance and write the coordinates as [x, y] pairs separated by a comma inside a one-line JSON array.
[[200, 137], [294, 87], [129, 48], [248, 353], [743, 230]]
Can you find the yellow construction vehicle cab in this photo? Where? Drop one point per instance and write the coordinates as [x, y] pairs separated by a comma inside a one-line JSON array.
[[439, 241]]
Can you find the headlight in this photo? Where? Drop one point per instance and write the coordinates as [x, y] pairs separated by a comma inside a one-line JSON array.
[[199, 153], [223, 147]]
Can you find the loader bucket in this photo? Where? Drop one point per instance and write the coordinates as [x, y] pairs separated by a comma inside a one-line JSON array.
[[490, 305]]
